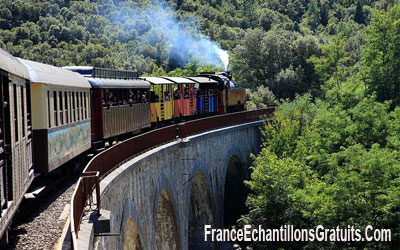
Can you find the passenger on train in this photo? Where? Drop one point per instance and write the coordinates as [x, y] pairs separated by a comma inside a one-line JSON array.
[[130, 100], [177, 95], [109, 99], [186, 93], [166, 93], [144, 98]]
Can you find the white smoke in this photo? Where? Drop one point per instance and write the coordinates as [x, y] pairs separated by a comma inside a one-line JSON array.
[[185, 42], [224, 56]]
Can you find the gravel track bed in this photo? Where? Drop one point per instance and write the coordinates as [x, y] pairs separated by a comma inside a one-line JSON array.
[[35, 224]]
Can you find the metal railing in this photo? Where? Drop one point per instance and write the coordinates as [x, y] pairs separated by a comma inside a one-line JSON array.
[[106, 161]]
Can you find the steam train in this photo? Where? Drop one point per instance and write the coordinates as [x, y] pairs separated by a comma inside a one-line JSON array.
[[51, 115]]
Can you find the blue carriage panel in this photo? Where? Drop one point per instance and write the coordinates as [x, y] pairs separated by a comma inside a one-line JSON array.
[[199, 106], [215, 103]]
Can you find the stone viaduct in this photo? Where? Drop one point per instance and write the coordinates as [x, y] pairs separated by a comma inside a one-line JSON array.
[[163, 198]]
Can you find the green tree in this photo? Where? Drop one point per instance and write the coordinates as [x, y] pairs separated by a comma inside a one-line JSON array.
[[381, 55], [261, 97]]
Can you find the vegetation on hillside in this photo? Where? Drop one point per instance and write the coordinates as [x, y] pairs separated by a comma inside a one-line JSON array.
[[334, 160], [269, 41]]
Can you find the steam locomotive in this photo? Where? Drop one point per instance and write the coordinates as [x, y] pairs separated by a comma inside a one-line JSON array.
[[50, 115]]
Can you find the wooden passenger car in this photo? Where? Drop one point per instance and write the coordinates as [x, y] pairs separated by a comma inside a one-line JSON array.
[[16, 171], [206, 95], [119, 106], [119, 102], [184, 99], [60, 115], [161, 99]]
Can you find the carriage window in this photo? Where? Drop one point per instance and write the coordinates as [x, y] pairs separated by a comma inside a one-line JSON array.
[[104, 97], [156, 93], [177, 92], [85, 104], [70, 107], [81, 95], [73, 106], [77, 106], [48, 108], [23, 110], [55, 108], [186, 91], [15, 112], [66, 107], [61, 108]]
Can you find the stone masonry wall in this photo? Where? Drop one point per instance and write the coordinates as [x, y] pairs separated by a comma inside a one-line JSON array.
[[161, 180]]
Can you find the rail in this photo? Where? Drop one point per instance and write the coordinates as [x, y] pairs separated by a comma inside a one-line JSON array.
[[99, 166]]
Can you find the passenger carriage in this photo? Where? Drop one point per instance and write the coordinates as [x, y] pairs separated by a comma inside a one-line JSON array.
[[60, 115], [120, 102], [184, 99], [206, 95], [161, 99], [16, 169]]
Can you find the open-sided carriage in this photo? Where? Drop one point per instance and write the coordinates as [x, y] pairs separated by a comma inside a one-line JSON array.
[[184, 97], [161, 100], [206, 95]]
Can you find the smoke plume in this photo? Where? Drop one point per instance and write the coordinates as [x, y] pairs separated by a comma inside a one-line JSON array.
[[182, 38]]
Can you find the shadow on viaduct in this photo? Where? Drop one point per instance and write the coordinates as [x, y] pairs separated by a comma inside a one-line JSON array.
[[163, 198]]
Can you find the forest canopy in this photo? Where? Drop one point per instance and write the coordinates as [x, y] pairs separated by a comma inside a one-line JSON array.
[[333, 159], [269, 42]]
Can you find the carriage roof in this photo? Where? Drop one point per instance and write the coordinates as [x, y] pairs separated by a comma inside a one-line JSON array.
[[51, 75], [119, 83], [201, 79], [179, 80], [158, 80], [12, 65]]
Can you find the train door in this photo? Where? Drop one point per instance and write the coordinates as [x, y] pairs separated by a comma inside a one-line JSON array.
[[2, 154], [19, 159]]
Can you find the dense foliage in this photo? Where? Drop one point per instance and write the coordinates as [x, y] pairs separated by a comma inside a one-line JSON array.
[[335, 160], [269, 41]]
